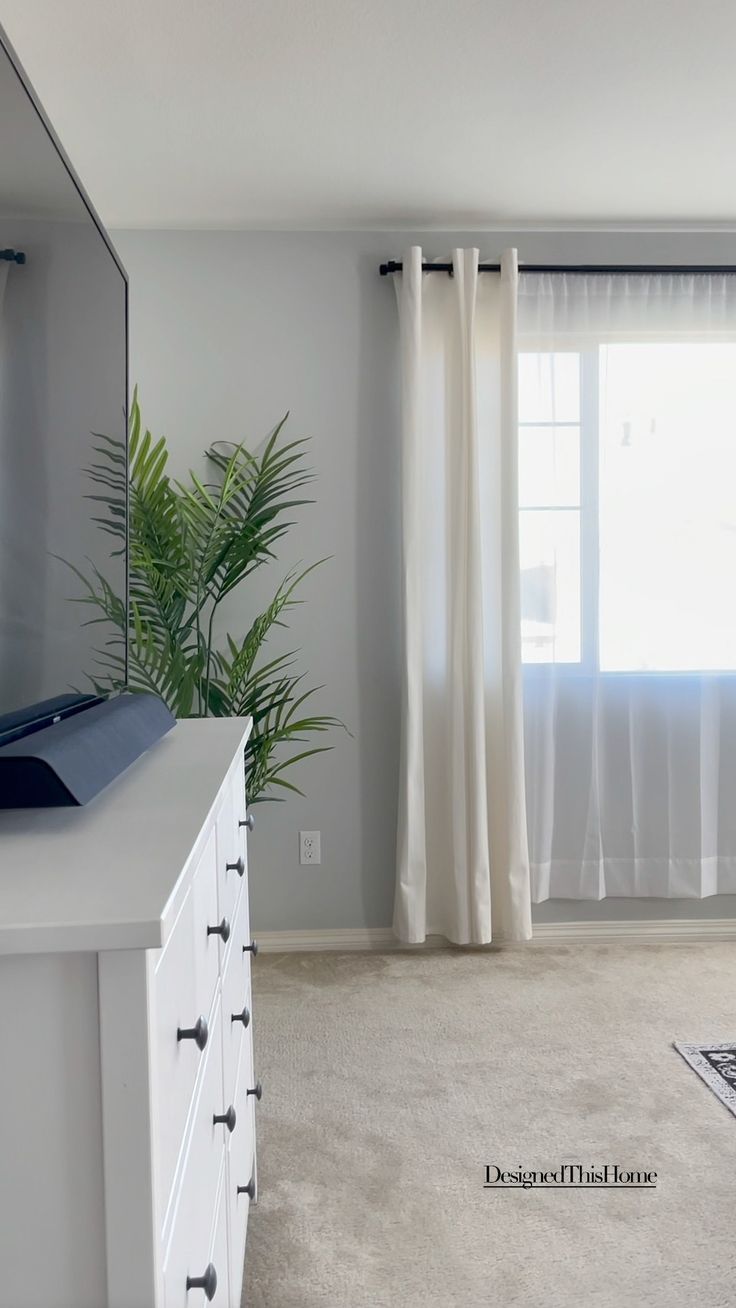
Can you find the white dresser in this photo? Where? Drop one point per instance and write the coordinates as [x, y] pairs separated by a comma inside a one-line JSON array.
[[128, 1091]]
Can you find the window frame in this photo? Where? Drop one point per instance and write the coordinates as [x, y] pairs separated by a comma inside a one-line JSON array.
[[587, 509], [589, 513]]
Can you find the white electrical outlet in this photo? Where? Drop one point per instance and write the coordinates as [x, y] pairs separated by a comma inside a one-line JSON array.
[[310, 849]]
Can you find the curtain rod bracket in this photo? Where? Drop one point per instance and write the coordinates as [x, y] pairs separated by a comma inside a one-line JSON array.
[[12, 256]]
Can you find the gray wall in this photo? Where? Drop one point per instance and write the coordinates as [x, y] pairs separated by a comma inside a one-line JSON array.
[[228, 331]]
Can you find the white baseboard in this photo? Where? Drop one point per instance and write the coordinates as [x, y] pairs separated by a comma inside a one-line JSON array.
[[661, 931], [341, 938], [651, 930]]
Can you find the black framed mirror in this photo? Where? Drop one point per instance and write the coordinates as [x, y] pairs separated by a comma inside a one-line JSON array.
[[63, 383]]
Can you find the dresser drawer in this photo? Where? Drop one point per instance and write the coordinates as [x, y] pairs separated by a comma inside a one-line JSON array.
[[241, 835], [196, 1223], [208, 927], [219, 1251], [241, 1180], [241, 1144], [184, 986], [232, 856], [230, 868], [241, 1177], [236, 1000]]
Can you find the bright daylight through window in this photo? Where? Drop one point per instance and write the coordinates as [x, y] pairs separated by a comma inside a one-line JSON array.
[[627, 495]]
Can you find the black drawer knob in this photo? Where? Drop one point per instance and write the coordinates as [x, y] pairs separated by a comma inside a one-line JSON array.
[[222, 930], [252, 948], [238, 866], [198, 1033], [249, 1189], [257, 1090], [248, 821], [243, 1017], [228, 1119], [208, 1283]]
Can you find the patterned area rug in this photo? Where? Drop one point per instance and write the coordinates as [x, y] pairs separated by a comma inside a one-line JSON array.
[[716, 1065]]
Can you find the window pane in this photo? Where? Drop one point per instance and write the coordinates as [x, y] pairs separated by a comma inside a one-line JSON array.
[[668, 507], [550, 585], [549, 466], [549, 387]]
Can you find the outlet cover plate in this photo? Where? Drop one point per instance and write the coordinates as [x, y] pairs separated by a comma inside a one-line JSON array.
[[310, 847]]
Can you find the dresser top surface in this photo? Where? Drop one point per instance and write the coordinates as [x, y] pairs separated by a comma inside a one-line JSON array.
[[106, 876]]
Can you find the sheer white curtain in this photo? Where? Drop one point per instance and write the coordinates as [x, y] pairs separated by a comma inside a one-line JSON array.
[[627, 448], [462, 855]]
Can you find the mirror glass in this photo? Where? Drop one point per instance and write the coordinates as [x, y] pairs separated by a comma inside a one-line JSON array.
[[63, 363]]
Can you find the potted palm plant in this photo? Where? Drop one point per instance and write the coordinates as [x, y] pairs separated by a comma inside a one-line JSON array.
[[191, 545]]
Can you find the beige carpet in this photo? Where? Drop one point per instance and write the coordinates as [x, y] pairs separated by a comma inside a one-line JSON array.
[[391, 1080]]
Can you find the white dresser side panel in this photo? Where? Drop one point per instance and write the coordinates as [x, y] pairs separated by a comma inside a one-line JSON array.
[[134, 1278], [51, 1134]]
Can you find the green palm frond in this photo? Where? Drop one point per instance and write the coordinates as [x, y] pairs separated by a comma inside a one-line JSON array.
[[191, 544]]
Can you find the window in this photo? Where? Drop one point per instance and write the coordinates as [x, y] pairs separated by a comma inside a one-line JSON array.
[[627, 506], [550, 507]]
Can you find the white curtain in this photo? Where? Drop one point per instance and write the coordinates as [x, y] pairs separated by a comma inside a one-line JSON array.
[[463, 867], [628, 555]]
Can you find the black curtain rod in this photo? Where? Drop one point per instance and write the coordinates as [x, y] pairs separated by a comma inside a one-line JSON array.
[[12, 256], [392, 266]]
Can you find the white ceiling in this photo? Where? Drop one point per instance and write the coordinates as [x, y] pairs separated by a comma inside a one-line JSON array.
[[33, 181], [390, 113]]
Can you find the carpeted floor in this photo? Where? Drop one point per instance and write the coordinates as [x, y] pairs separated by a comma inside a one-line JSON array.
[[390, 1080]]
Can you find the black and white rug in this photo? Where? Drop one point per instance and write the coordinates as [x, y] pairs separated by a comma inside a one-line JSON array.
[[716, 1065]]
